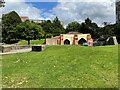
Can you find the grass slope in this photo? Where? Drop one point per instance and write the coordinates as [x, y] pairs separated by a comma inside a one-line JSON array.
[[62, 66]]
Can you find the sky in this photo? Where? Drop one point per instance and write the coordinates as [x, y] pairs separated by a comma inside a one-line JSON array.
[[67, 11]]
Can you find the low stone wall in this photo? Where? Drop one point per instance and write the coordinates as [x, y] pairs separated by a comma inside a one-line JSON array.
[[52, 41], [4, 49]]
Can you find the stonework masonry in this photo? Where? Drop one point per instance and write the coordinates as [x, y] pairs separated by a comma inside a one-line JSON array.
[[71, 39]]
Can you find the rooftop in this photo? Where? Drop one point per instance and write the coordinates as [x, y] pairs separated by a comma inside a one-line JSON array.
[[73, 33], [23, 17]]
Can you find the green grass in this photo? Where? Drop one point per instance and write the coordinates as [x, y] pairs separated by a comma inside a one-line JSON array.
[[62, 67], [24, 42]]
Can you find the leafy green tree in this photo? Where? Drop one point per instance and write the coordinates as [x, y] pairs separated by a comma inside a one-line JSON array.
[[29, 31], [73, 26], [47, 27], [88, 21], [9, 22], [52, 27], [107, 31], [90, 27], [57, 27]]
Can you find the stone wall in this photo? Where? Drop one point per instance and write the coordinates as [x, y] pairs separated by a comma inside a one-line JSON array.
[[4, 49], [52, 41], [71, 38]]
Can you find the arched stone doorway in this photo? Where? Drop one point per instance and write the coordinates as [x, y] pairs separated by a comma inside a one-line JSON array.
[[82, 41], [66, 42]]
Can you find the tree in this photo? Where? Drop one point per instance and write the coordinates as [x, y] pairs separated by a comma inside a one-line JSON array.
[[57, 27], [52, 27], [73, 26], [29, 30], [90, 27], [9, 22], [47, 27], [88, 21]]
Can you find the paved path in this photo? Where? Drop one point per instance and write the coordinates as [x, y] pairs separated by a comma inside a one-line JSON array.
[[17, 51]]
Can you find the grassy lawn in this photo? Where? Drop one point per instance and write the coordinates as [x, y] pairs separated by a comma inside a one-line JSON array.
[[62, 67], [24, 42]]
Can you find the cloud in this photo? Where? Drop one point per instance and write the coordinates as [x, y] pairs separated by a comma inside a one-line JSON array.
[[22, 8], [98, 11]]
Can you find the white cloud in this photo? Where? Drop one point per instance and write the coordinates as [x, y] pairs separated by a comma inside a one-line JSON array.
[[67, 10], [98, 11], [22, 9]]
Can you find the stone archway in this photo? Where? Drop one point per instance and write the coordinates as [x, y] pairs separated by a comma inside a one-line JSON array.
[[66, 42], [81, 41]]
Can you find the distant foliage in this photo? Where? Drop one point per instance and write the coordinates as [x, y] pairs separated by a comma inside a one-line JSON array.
[[52, 27], [13, 29], [57, 27], [73, 26]]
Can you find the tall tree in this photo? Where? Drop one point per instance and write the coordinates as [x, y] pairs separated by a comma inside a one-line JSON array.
[[88, 21], [9, 22], [29, 30], [57, 27], [52, 28], [107, 31], [47, 27], [73, 26], [90, 27]]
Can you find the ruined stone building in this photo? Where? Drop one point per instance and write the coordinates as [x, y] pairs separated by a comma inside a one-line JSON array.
[[71, 38]]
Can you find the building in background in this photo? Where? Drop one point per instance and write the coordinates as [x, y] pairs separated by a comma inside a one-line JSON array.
[[117, 11], [2, 3], [24, 18], [71, 38]]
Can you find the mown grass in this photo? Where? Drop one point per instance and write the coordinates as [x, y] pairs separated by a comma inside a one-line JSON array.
[[24, 42], [62, 67]]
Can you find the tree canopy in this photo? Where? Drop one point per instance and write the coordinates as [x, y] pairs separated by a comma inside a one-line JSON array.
[[52, 27], [73, 26], [57, 27], [9, 22], [90, 27], [29, 31], [13, 29]]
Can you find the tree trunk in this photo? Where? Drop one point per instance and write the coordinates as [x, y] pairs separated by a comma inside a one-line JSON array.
[[45, 39], [28, 42]]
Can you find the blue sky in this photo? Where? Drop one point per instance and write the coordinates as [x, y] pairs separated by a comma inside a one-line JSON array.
[[46, 6], [67, 12]]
